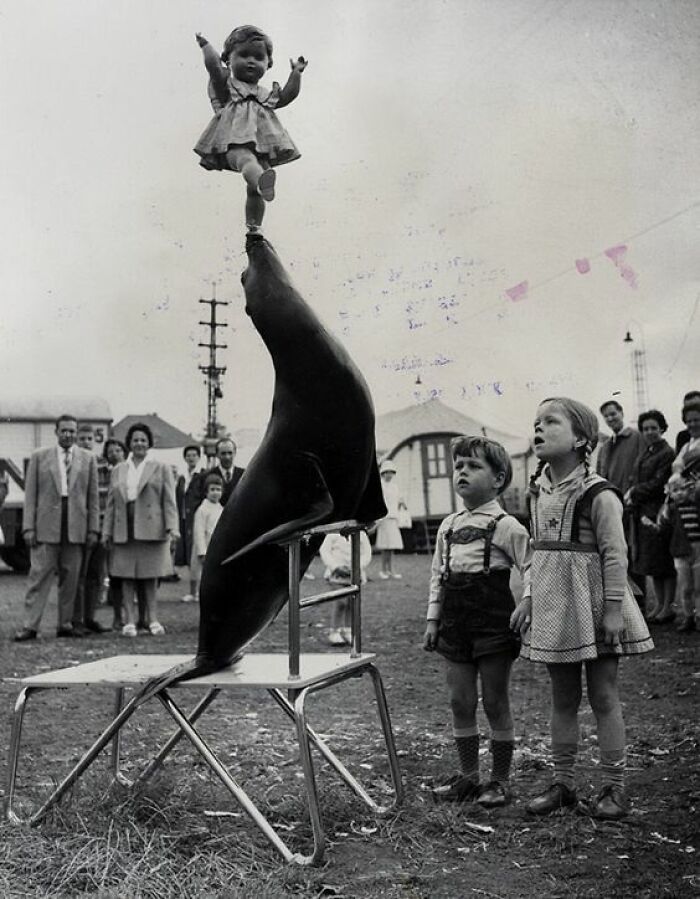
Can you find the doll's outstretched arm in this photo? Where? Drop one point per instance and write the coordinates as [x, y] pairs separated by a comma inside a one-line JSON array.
[[212, 61], [291, 89]]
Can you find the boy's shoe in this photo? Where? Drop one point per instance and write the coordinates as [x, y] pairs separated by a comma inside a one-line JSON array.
[[335, 638], [686, 626], [494, 795], [553, 798], [459, 788], [156, 629], [266, 185], [610, 804], [129, 630]]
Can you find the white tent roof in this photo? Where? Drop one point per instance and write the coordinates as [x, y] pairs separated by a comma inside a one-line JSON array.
[[49, 407]]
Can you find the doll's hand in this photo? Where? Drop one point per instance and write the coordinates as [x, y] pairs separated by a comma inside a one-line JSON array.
[[430, 637], [522, 615], [612, 623], [201, 40], [299, 65]]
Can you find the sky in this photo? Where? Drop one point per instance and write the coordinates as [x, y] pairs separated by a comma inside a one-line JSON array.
[[491, 194]]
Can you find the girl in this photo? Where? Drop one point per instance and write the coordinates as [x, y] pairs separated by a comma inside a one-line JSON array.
[[469, 611], [336, 555], [581, 609], [205, 519], [388, 534], [245, 134]]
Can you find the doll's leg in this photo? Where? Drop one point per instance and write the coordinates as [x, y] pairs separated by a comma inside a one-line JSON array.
[[259, 179]]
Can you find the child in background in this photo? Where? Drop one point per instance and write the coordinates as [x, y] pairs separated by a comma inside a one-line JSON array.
[[205, 519], [581, 609], [245, 134], [469, 614], [388, 536], [336, 555]]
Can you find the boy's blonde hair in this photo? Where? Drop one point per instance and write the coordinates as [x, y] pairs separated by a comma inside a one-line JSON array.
[[492, 452]]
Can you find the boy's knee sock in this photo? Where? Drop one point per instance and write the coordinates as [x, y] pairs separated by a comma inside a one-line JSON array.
[[502, 745], [613, 763], [467, 742], [564, 758]]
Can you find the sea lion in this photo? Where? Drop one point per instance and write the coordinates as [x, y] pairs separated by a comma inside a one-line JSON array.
[[315, 465]]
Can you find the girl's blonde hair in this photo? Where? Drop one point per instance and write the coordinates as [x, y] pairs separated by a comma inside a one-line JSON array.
[[584, 424]]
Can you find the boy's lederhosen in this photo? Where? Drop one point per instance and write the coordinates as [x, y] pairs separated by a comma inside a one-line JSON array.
[[476, 606]]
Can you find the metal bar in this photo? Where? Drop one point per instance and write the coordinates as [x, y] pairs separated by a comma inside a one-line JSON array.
[[13, 761], [334, 527], [293, 625], [356, 601], [224, 776], [117, 742], [385, 719], [87, 759], [176, 736]]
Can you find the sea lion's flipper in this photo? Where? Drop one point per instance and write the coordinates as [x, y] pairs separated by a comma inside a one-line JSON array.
[[372, 507], [317, 505]]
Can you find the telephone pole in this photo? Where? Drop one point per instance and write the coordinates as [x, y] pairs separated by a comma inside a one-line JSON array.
[[213, 373], [638, 367]]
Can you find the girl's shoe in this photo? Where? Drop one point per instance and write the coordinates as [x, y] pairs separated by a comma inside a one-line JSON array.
[[459, 788], [494, 795], [555, 797], [266, 185], [384, 575], [346, 634], [156, 629], [610, 804], [335, 638], [129, 630]]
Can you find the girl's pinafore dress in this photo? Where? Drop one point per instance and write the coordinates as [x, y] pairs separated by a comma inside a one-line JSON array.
[[476, 606], [568, 600], [248, 119]]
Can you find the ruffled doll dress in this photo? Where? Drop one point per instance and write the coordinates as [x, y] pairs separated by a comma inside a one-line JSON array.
[[248, 119]]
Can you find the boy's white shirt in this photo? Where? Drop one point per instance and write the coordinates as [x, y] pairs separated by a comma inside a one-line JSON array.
[[510, 546]]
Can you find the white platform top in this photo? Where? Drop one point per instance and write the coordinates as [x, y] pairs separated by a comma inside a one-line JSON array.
[[255, 670]]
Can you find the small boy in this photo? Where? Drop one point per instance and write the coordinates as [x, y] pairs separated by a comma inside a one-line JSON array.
[[205, 519], [468, 614]]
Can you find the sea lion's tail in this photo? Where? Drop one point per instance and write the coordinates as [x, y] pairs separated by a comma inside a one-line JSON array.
[[184, 671]]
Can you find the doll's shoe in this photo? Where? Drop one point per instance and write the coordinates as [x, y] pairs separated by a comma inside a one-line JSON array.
[[266, 185], [610, 804], [686, 626], [555, 797], [156, 629], [494, 795], [459, 788], [335, 638], [129, 630]]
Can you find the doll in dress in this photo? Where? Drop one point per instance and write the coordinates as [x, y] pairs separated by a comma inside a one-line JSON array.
[[245, 134]]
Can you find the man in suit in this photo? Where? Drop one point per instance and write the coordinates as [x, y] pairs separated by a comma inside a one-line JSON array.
[[189, 493], [61, 517], [230, 474]]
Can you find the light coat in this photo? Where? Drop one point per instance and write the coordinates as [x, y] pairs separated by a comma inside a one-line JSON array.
[[155, 509], [42, 496]]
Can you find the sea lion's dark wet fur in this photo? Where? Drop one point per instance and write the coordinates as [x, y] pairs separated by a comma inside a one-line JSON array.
[[316, 464]]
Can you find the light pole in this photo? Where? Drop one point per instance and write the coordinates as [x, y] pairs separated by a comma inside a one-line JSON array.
[[213, 373]]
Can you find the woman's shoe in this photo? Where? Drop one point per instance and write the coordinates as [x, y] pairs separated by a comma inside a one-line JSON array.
[[610, 804], [665, 618], [129, 630], [156, 629], [494, 795], [459, 788], [555, 797], [687, 625]]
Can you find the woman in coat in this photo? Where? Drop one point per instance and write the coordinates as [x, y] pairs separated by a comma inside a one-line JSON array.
[[140, 524], [650, 552]]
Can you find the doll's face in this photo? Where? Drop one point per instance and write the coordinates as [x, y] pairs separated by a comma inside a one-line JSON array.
[[249, 61]]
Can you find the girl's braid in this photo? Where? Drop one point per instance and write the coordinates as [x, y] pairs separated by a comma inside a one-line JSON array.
[[534, 477], [587, 450]]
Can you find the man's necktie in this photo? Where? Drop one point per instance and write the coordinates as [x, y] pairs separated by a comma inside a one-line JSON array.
[[66, 462]]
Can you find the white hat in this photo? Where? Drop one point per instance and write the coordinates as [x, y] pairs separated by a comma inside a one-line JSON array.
[[387, 465]]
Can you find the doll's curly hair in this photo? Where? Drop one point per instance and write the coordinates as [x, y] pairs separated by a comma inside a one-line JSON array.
[[246, 33]]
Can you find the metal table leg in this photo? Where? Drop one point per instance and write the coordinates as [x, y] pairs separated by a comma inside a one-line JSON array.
[[13, 761]]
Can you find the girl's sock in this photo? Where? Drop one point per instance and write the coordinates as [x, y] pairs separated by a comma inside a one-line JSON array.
[[613, 763], [467, 742], [564, 758], [502, 745]]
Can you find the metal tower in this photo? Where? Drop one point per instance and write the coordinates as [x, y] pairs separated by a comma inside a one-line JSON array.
[[213, 373], [638, 366]]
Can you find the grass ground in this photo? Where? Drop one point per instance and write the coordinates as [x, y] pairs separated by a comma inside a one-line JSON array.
[[182, 837]]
